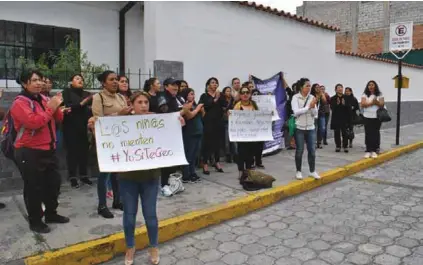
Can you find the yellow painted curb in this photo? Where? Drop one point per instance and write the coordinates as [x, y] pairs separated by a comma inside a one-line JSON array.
[[104, 249]]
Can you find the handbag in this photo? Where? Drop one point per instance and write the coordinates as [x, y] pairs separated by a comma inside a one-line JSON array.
[[291, 122], [358, 118], [383, 115]]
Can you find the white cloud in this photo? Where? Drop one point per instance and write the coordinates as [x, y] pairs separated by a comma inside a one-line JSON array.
[[285, 5]]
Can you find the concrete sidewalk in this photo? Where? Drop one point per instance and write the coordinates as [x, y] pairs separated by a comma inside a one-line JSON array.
[[17, 241]]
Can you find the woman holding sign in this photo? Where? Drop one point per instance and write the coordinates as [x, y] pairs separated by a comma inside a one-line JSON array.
[[142, 184], [305, 112], [246, 150], [108, 103]]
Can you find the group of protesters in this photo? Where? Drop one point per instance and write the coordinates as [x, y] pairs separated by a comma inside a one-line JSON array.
[[38, 116]]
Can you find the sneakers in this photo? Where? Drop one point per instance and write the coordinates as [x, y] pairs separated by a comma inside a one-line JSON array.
[[374, 155], [314, 175], [56, 219], [74, 183], [299, 175], [39, 227], [367, 155], [86, 181], [166, 191], [105, 212]]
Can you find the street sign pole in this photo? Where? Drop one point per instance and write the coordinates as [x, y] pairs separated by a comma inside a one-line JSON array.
[[401, 39], [397, 134]]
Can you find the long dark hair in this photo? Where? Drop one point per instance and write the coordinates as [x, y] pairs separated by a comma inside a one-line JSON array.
[[148, 83], [209, 81], [184, 94], [367, 91], [128, 93], [301, 83], [222, 95], [350, 89], [313, 89]]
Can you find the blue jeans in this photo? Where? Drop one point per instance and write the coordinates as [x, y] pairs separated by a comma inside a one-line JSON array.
[[102, 185], [309, 137], [192, 144], [147, 191], [321, 128]]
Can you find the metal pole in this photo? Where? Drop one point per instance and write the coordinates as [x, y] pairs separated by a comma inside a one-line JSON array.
[[399, 101]]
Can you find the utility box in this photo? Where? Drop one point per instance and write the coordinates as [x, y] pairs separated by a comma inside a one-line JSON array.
[[405, 81]]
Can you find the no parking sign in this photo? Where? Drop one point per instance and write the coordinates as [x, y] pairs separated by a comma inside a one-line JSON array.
[[401, 36]]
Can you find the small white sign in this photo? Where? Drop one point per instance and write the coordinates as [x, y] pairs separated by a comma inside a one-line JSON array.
[[250, 126], [267, 102], [139, 142], [401, 36]]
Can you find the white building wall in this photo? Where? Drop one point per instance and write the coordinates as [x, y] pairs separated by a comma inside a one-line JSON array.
[[227, 40], [134, 46]]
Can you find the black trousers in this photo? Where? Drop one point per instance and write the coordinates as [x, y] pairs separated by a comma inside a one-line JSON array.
[[372, 134], [210, 149], [76, 154], [341, 132], [39, 171], [246, 151], [258, 153]]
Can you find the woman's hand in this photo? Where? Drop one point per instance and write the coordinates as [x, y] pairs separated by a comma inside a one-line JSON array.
[[86, 100], [182, 120], [313, 103], [91, 123], [125, 111]]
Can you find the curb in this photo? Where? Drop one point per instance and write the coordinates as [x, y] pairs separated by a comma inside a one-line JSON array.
[[104, 249]]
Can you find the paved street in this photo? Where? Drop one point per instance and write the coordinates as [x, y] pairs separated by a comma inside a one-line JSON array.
[[375, 217]]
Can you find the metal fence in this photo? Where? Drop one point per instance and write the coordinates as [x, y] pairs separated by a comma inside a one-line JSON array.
[[61, 78]]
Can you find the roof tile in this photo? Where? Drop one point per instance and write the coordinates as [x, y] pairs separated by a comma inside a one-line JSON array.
[[282, 13]]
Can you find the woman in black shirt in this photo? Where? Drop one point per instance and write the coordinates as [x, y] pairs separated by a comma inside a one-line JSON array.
[[152, 87], [212, 125]]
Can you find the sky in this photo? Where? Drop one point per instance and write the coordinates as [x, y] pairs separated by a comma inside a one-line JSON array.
[[285, 5]]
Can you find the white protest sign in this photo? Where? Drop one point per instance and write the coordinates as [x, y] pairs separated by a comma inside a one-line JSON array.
[[267, 102], [250, 126], [401, 36], [139, 142]]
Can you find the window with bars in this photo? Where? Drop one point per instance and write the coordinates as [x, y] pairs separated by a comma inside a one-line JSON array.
[[18, 39]]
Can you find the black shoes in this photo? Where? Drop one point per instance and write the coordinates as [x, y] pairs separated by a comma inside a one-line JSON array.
[[43, 228], [229, 159], [261, 166], [86, 181], [2, 205], [220, 170], [105, 212], [74, 183], [56, 219], [192, 179], [117, 206], [39, 227], [345, 150], [338, 150]]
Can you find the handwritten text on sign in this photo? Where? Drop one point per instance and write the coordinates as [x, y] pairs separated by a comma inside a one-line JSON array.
[[267, 102], [139, 142], [250, 126]]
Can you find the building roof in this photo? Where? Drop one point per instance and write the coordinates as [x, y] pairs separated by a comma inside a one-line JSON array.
[[282, 13], [375, 58]]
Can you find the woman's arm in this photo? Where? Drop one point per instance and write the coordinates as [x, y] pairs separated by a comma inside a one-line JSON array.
[[299, 111]]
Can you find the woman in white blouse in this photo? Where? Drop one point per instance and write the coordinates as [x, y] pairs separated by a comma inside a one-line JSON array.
[[371, 101]]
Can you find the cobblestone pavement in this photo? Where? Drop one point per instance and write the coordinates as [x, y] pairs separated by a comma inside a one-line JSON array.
[[354, 221]]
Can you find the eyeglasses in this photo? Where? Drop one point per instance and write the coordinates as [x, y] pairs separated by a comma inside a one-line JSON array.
[[245, 92]]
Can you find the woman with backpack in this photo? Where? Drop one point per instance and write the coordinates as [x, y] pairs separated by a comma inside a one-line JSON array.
[[35, 153], [108, 103]]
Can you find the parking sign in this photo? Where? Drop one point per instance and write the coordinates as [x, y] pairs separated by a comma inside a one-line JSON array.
[[401, 36]]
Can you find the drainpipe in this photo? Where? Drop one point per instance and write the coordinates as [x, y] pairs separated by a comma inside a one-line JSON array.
[[122, 14]]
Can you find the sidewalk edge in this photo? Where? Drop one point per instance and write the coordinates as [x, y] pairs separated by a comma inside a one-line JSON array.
[[104, 249]]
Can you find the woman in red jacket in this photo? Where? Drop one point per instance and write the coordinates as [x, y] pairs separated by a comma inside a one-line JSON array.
[[34, 118]]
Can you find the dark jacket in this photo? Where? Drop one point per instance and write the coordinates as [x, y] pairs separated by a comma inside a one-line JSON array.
[[169, 103], [341, 114], [226, 106], [76, 121]]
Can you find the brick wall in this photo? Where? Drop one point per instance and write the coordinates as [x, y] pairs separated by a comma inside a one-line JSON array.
[[344, 41], [370, 42], [372, 18]]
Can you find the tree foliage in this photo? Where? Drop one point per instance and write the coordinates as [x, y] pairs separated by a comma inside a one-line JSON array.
[[64, 64]]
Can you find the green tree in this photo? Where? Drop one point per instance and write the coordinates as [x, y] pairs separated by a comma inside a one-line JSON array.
[[67, 62]]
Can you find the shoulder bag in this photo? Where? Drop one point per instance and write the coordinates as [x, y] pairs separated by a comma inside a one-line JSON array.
[[291, 121]]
